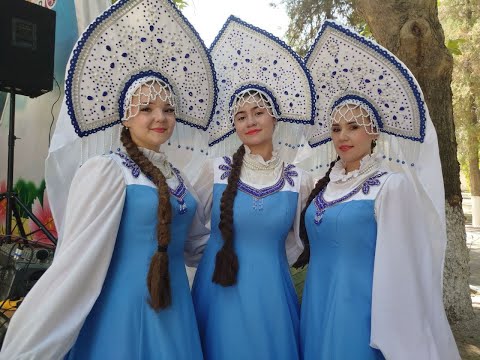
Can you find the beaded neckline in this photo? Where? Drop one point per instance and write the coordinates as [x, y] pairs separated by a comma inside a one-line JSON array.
[[288, 173], [321, 204], [258, 166], [367, 164], [178, 193]]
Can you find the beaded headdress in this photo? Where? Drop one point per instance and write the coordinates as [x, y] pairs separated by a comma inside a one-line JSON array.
[[132, 44], [349, 69], [247, 58]]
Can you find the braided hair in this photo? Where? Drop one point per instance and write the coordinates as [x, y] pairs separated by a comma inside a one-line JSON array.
[[304, 257], [158, 278], [226, 261]]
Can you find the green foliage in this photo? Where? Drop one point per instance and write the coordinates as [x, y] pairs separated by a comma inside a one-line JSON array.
[[307, 16], [454, 46], [461, 24], [298, 277]]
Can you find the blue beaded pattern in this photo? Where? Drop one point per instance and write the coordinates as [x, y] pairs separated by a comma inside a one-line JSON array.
[[129, 163], [73, 86], [294, 106], [178, 193], [387, 60], [321, 204], [288, 173]]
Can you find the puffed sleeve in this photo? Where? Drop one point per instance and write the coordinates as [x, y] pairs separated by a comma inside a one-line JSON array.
[[203, 187], [408, 317], [294, 245], [48, 321], [199, 232]]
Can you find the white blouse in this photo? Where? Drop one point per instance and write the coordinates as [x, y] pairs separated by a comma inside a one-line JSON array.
[[259, 173], [47, 323], [408, 318]]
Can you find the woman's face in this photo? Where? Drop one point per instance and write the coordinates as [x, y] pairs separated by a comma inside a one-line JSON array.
[[350, 137], [253, 124], [154, 122]]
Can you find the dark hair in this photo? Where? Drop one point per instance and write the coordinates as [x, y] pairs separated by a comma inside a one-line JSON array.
[[226, 261], [158, 278], [304, 257]]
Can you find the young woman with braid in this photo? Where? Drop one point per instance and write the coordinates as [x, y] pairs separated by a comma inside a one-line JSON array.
[[132, 301], [117, 287], [374, 229], [243, 294]]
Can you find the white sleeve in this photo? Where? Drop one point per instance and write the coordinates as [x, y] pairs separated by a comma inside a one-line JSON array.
[[48, 321], [293, 244], [203, 187], [199, 232], [408, 317]]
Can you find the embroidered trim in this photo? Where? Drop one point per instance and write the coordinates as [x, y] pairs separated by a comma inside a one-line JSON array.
[[124, 7], [129, 163], [288, 173], [321, 204], [178, 193], [384, 56]]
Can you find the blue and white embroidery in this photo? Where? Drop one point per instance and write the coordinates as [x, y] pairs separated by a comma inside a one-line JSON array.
[[179, 192], [321, 204], [129, 163], [288, 173], [227, 167]]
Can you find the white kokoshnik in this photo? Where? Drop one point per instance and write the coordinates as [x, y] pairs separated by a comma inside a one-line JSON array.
[[252, 65]]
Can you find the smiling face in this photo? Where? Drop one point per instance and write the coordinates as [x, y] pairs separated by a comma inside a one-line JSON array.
[[254, 125], [154, 121], [352, 136]]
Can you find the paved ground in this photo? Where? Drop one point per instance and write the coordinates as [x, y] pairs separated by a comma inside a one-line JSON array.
[[467, 333]]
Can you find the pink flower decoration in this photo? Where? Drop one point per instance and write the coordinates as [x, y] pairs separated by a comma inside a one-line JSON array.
[[44, 214], [3, 205]]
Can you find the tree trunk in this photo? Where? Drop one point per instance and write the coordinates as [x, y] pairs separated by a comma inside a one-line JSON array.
[[473, 160], [411, 30], [473, 149]]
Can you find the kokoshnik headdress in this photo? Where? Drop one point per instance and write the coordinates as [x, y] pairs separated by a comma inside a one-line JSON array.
[[134, 42], [249, 60], [349, 69]]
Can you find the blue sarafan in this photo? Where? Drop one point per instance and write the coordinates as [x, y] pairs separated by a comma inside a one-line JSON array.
[[258, 316], [376, 225]]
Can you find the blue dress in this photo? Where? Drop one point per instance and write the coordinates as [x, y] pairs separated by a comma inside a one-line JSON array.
[[258, 317], [121, 324], [337, 298]]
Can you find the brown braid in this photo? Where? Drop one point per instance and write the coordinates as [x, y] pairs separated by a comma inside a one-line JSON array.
[[158, 279], [226, 262], [304, 257]]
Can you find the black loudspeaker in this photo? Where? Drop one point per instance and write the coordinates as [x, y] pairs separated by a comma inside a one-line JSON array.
[[20, 270], [27, 44]]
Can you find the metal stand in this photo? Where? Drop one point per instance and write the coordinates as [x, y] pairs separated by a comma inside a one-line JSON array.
[[13, 201]]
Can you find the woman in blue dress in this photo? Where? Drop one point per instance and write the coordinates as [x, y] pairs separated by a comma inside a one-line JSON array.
[[117, 287], [243, 294], [374, 227]]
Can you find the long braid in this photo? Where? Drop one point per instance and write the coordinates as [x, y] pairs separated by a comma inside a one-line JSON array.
[[158, 278], [304, 257], [226, 261]]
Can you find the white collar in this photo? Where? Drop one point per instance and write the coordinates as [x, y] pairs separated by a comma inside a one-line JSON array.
[[257, 159], [367, 163], [159, 159], [260, 173], [341, 182]]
